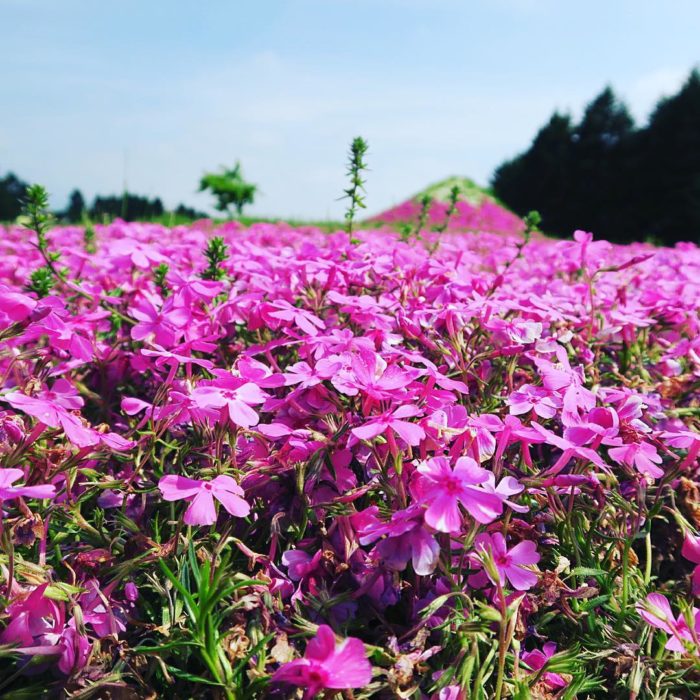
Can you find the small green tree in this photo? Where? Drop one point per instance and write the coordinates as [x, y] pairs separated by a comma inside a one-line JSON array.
[[229, 188], [76, 207]]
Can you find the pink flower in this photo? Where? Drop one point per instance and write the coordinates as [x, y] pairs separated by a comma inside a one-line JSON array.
[[567, 382], [300, 564], [443, 489], [234, 397], [173, 358], [51, 407], [528, 398], [507, 486], [656, 611], [536, 660], [281, 310], [99, 611], [514, 431], [306, 376], [163, 326], [601, 425], [15, 306], [449, 692], [406, 539], [370, 374], [511, 564], [569, 450], [327, 665], [38, 625], [201, 495], [32, 617], [410, 433], [641, 455], [8, 492], [691, 551]]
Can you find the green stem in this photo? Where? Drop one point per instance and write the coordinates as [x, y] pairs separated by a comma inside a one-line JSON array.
[[647, 562], [501, 645]]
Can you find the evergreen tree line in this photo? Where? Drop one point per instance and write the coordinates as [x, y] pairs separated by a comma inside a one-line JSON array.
[[605, 175], [130, 207]]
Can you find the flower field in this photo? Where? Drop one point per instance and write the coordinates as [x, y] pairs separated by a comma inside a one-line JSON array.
[[274, 462]]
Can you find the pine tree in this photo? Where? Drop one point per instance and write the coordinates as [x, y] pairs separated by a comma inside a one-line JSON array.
[[76, 207]]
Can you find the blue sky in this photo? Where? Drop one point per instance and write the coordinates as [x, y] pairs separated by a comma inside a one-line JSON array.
[[157, 91]]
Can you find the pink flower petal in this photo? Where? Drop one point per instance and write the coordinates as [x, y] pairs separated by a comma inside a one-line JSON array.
[[175, 488], [201, 510]]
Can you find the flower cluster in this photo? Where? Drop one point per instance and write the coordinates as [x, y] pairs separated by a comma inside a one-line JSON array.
[[434, 468], [485, 215]]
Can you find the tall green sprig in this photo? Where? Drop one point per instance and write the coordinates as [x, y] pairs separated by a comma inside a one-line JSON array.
[[356, 166], [89, 237], [532, 221], [216, 253], [159, 274], [425, 202], [36, 211], [451, 210]]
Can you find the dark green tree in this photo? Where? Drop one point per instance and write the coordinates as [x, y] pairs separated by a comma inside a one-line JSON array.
[[76, 207], [229, 188], [12, 194], [595, 176], [189, 212], [669, 191], [540, 177], [129, 207], [606, 176]]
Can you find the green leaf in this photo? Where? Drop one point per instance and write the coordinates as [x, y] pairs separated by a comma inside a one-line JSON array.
[[588, 571]]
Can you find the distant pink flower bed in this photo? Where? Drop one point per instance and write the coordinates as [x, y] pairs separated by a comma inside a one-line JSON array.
[[486, 216], [429, 469]]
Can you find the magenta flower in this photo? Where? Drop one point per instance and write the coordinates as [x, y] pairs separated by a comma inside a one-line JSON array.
[[234, 398], [536, 660], [443, 489], [449, 692], [510, 564], [300, 564], [306, 376], [8, 492], [52, 408], [641, 455], [406, 539], [533, 398], [38, 626], [508, 486], [163, 326], [99, 611], [410, 433], [569, 450], [14, 305], [691, 551], [32, 618], [201, 495], [73, 648], [656, 611], [371, 375], [173, 358], [281, 310], [327, 665]]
